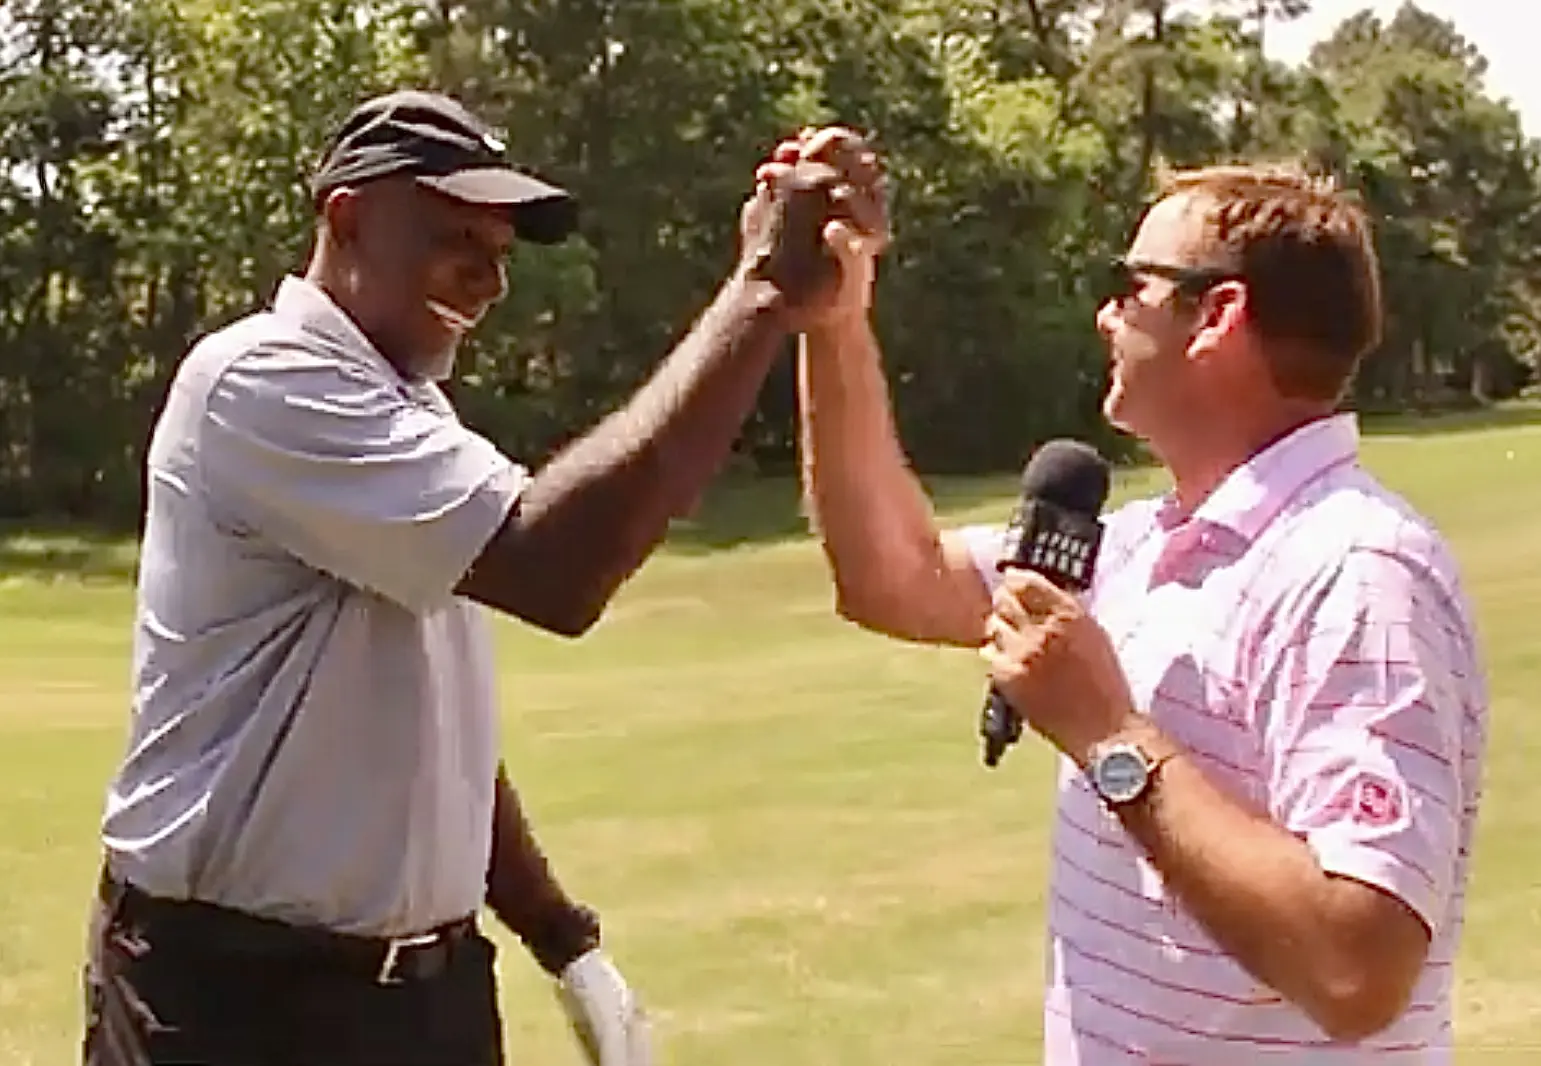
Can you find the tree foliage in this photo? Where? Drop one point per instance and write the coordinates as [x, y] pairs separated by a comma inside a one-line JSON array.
[[153, 158]]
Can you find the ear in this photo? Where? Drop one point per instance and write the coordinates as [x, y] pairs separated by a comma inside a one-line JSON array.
[[1222, 315], [340, 211]]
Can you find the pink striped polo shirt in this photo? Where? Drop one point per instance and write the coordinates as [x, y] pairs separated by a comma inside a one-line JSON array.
[[1305, 637]]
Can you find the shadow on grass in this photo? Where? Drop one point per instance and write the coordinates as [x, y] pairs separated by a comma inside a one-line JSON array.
[[766, 511], [760, 512], [736, 512], [741, 512]]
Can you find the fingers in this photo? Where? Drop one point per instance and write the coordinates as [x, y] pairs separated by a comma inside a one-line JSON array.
[[1036, 594], [838, 146], [848, 152], [867, 211], [1009, 653], [1023, 610], [771, 174], [863, 181], [1009, 607], [823, 187], [790, 149], [844, 241], [1000, 634], [766, 180], [862, 191], [1000, 665], [845, 149]]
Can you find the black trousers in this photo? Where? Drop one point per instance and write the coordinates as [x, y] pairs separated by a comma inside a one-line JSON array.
[[183, 984]]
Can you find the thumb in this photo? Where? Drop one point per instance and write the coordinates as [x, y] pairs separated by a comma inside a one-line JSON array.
[[845, 241]]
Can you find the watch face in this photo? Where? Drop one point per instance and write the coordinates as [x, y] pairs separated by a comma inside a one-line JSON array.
[[1121, 774]]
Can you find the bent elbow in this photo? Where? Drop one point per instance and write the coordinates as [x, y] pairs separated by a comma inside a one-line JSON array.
[[887, 615], [570, 619], [575, 624], [873, 606], [570, 628], [1352, 1024], [853, 605], [1357, 1008]]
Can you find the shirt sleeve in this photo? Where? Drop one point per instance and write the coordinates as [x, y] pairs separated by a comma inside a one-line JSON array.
[[1363, 725], [984, 544], [339, 467]]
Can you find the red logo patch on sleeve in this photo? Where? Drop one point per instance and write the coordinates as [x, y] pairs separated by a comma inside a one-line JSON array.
[[1376, 802]]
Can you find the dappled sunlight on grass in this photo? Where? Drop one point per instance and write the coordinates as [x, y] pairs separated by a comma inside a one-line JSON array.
[[783, 819]]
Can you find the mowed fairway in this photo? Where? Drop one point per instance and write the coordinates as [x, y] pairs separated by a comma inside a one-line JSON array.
[[784, 820]]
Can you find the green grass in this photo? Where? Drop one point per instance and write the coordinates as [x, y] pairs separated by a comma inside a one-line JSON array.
[[783, 819]]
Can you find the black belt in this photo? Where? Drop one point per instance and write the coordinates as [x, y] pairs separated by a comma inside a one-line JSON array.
[[211, 928]]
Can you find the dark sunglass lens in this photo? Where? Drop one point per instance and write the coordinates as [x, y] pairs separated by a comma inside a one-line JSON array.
[[1115, 283]]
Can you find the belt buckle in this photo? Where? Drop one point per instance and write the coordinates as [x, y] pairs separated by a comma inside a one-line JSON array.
[[387, 974]]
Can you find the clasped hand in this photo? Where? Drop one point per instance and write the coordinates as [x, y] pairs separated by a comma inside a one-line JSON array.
[[1055, 665], [816, 223]]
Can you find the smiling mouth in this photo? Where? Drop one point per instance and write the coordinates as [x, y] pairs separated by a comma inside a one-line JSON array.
[[455, 320]]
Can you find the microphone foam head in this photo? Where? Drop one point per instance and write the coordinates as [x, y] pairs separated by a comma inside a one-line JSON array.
[[1069, 474]]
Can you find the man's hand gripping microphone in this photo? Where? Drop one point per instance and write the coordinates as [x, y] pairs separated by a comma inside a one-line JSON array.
[[1057, 531]]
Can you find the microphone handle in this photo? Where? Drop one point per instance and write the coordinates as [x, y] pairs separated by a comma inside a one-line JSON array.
[[999, 725]]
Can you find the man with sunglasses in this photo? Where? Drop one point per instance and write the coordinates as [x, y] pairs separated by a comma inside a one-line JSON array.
[[311, 807], [1270, 704]]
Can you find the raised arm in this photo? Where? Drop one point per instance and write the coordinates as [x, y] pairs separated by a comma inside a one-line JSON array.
[[347, 474], [339, 468], [587, 521], [895, 571]]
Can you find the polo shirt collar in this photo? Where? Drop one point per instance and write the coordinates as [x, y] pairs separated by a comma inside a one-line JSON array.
[[308, 306], [1254, 493]]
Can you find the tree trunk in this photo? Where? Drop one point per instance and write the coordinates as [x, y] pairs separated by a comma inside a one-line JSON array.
[[1150, 101]]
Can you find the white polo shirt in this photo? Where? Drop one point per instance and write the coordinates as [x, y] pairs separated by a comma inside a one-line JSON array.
[[1305, 637], [314, 733]]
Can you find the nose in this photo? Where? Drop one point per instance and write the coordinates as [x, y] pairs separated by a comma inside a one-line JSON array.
[[1107, 317]]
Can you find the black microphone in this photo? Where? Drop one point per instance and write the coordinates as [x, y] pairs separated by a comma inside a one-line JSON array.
[[1056, 531]]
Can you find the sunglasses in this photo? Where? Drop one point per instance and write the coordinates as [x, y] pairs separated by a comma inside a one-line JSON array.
[[1127, 277]]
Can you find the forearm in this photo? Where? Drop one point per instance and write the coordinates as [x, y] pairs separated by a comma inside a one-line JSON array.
[[524, 893], [591, 517], [855, 475], [1259, 892], [871, 512]]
